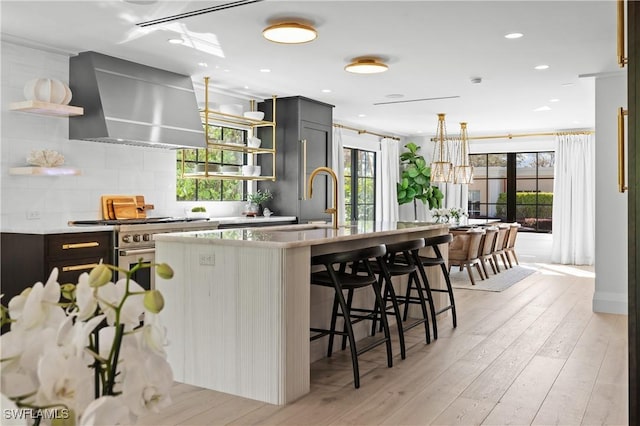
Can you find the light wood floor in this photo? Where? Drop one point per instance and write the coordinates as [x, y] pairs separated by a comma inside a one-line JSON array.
[[532, 354]]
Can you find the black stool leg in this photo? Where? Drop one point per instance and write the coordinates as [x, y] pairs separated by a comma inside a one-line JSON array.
[[427, 289], [385, 323], [344, 330], [391, 294], [450, 291], [352, 341], [332, 328]]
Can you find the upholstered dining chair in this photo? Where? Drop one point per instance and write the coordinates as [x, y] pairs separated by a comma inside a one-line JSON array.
[[486, 249], [510, 247], [498, 250], [464, 251]]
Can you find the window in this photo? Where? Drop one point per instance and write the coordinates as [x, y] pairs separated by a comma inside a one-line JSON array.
[[212, 189], [360, 184], [513, 187]]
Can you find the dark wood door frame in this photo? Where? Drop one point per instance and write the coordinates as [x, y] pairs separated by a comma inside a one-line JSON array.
[[633, 86]]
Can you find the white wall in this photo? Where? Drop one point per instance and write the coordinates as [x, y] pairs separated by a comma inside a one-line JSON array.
[[106, 168], [611, 206]]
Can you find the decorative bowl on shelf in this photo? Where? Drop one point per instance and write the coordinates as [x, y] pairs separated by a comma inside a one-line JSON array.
[[230, 170], [247, 170], [213, 168], [232, 109], [254, 115], [254, 142], [257, 170]]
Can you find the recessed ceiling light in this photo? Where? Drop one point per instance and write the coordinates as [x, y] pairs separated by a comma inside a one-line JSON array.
[[366, 65], [362, 115], [513, 35], [542, 108], [203, 64], [265, 70], [554, 100], [290, 33], [175, 41], [246, 87], [541, 67], [326, 90]]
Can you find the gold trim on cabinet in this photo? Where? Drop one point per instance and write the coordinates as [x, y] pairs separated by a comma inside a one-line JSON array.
[[304, 169], [80, 245], [79, 267], [621, 157], [622, 59]]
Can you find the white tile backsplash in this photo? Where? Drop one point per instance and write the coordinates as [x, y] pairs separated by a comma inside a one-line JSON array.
[[106, 168]]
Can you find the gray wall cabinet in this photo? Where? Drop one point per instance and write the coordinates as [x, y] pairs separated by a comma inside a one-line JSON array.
[[304, 141]]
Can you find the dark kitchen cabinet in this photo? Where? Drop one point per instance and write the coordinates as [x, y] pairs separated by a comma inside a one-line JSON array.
[[304, 142], [29, 258]]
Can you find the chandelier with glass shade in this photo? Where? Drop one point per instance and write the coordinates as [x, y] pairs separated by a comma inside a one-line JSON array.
[[441, 166], [463, 171]]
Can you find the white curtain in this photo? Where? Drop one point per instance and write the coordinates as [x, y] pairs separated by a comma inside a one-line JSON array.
[[389, 177], [337, 164], [574, 200]]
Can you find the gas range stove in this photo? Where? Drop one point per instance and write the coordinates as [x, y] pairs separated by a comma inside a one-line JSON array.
[[138, 233]]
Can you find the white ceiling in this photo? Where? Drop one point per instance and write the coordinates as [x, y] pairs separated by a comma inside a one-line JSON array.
[[433, 49]]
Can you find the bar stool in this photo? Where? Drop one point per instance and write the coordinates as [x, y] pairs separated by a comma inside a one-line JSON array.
[[402, 259], [438, 260], [342, 281]]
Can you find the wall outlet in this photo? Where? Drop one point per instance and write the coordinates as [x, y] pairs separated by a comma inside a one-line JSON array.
[[33, 215], [207, 259]]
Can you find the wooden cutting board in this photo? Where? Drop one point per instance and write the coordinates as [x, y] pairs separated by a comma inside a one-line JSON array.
[[125, 209], [108, 209]]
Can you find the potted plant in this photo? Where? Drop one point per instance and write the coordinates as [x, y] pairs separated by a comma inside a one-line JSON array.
[[256, 199], [415, 181]]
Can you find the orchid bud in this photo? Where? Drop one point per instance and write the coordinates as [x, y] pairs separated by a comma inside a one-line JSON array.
[[99, 276], [153, 301], [164, 271], [68, 291]]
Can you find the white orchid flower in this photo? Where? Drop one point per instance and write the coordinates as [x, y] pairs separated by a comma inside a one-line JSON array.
[[64, 380], [15, 384], [85, 299], [38, 307], [147, 384], [8, 407], [111, 295], [107, 411], [154, 334]]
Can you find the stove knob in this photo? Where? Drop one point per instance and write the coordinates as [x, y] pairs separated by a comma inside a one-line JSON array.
[[146, 237], [136, 238], [126, 238]]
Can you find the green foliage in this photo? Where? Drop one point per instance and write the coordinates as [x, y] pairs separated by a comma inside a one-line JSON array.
[[526, 205], [415, 179], [259, 196], [198, 209]]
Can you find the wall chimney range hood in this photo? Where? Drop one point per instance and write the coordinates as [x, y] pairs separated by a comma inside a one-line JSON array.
[[133, 104]]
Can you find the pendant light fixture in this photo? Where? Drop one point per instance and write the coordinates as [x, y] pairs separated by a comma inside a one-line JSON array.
[[441, 167], [290, 33], [366, 65], [463, 172]]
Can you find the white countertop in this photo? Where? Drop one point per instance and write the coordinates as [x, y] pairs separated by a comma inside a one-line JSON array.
[[295, 235], [229, 220]]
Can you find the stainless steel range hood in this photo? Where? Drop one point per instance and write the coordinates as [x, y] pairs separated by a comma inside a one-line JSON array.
[[129, 103]]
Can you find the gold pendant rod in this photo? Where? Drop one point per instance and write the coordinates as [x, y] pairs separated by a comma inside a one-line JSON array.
[[527, 135], [361, 131]]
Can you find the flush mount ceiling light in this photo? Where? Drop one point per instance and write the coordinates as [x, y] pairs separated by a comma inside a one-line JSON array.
[[366, 66], [290, 33]]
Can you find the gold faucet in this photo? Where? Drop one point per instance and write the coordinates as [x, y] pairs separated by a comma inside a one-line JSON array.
[[333, 210]]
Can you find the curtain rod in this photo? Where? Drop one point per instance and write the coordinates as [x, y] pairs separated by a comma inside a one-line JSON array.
[[361, 131], [525, 135]]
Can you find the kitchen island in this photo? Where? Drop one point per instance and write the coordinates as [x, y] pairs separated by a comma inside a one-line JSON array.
[[237, 311]]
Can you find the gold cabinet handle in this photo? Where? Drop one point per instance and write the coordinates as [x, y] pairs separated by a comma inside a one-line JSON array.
[[622, 59], [304, 169], [621, 160], [79, 267], [80, 245]]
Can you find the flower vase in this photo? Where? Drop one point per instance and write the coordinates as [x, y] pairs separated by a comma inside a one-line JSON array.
[[454, 220]]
